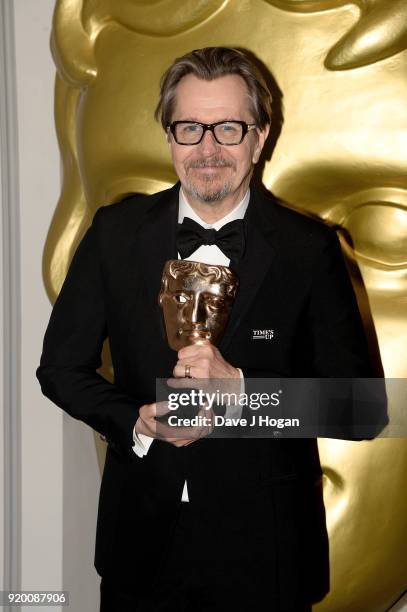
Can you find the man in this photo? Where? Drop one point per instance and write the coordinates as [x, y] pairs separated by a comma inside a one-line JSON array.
[[202, 523]]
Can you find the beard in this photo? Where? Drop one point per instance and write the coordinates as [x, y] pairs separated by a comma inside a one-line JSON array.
[[207, 188]]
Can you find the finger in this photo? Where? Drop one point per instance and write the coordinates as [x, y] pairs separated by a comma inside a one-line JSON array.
[[161, 408], [198, 360], [150, 411], [149, 422], [196, 370], [179, 370], [193, 350], [180, 443], [187, 383], [174, 432], [179, 432], [165, 432], [209, 421]]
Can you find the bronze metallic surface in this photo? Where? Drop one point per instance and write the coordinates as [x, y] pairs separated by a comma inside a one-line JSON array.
[[196, 300], [342, 156]]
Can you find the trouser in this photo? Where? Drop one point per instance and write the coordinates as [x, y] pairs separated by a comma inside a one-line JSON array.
[[191, 581]]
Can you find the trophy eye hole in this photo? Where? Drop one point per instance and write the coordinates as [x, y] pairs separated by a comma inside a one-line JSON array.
[[214, 302], [180, 298]]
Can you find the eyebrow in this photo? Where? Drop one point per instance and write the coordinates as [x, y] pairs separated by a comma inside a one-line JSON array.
[[204, 122]]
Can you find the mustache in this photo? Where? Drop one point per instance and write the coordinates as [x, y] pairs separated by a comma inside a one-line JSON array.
[[218, 162]]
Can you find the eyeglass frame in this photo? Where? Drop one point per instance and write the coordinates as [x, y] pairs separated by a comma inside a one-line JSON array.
[[246, 127]]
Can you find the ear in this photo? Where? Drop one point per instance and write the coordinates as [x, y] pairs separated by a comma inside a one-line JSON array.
[[261, 139]]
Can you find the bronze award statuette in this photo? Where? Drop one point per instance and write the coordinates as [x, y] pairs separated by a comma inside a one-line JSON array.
[[196, 300]]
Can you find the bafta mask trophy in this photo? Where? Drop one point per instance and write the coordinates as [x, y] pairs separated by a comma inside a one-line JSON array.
[[196, 299]]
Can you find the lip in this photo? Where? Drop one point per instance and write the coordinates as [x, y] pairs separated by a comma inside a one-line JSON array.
[[210, 169], [199, 327]]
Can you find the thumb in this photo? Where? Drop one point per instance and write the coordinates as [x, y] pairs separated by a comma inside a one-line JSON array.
[[160, 409]]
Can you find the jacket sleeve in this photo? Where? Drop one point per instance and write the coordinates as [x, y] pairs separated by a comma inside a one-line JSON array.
[[338, 346], [72, 352], [339, 350], [351, 403]]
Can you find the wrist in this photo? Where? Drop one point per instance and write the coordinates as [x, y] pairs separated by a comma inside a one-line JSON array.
[[137, 426]]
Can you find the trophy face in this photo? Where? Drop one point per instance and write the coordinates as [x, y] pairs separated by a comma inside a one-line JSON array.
[[196, 300]]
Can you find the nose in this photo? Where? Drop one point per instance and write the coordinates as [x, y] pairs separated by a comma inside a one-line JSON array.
[[208, 144], [198, 313]]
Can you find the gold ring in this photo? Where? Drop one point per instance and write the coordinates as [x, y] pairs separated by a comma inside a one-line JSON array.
[[188, 371]]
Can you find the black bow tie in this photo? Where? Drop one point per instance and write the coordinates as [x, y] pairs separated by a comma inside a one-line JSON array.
[[230, 238]]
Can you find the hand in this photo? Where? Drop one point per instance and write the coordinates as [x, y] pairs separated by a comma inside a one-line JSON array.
[[148, 425], [205, 361]]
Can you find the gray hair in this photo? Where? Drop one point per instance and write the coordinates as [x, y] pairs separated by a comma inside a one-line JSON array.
[[209, 64]]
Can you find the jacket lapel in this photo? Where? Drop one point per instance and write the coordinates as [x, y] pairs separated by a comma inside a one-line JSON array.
[[261, 226], [158, 232], [155, 245]]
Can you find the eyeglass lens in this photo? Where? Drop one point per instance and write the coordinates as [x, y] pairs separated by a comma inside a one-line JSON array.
[[226, 133]]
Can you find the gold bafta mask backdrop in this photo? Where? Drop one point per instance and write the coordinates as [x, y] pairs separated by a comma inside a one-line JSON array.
[[342, 155]]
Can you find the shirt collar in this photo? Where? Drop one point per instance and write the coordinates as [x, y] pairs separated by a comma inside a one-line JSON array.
[[185, 210]]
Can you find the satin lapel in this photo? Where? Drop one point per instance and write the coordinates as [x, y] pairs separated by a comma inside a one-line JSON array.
[[156, 244], [260, 251]]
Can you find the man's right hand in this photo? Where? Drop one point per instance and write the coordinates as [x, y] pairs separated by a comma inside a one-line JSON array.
[[148, 425]]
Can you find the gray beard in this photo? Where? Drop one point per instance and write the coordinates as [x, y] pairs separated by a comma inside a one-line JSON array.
[[207, 193]]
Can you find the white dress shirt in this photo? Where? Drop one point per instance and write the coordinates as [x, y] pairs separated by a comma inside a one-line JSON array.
[[209, 254]]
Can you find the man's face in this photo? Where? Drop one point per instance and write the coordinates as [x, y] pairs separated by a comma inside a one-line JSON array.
[[209, 171], [195, 308]]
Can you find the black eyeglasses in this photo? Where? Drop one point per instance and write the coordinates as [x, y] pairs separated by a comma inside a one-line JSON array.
[[225, 132]]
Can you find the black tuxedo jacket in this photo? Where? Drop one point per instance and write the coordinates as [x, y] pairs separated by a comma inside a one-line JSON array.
[[293, 280]]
